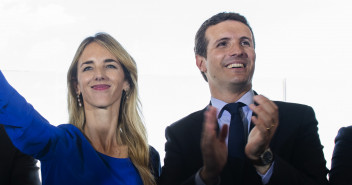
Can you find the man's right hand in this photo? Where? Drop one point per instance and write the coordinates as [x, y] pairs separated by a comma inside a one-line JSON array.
[[214, 149]]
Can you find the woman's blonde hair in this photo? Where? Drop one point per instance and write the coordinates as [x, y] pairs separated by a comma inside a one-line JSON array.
[[130, 130]]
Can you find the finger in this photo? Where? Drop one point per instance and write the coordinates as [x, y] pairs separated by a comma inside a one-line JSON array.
[[263, 128], [266, 110], [262, 114], [210, 116], [265, 123], [223, 133], [260, 125], [209, 129], [260, 99], [265, 104]]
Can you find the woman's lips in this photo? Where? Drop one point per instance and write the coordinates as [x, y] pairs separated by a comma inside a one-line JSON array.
[[100, 87]]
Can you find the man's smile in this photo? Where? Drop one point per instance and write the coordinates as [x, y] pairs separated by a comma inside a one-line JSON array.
[[235, 65]]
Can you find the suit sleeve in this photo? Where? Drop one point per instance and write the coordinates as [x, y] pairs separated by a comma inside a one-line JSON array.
[[25, 170], [341, 163], [28, 130], [16, 168], [174, 171], [305, 163]]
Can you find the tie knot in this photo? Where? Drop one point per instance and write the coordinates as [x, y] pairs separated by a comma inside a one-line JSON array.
[[233, 108]]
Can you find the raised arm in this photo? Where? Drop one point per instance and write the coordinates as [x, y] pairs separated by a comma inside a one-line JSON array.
[[27, 129]]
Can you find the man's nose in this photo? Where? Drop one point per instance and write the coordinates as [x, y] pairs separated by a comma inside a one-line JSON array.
[[236, 50]]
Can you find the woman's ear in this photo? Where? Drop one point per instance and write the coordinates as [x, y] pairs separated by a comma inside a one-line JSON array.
[[78, 91], [126, 86]]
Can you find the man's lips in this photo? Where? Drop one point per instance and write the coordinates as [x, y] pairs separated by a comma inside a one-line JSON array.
[[235, 65], [100, 87]]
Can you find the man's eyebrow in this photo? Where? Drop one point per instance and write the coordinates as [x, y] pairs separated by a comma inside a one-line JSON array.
[[222, 39], [227, 38], [246, 38]]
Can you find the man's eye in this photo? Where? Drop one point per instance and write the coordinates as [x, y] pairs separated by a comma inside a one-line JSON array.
[[245, 43], [87, 68], [222, 44]]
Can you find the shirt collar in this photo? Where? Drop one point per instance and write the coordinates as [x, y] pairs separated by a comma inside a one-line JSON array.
[[247, 99]]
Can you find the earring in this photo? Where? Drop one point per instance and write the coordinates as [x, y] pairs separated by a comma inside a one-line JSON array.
[[79, 100], [126, 93]]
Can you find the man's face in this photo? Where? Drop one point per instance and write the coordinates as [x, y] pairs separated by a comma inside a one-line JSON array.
[[230, 57]]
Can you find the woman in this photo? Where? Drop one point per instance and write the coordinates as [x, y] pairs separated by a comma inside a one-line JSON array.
[[106, 140]]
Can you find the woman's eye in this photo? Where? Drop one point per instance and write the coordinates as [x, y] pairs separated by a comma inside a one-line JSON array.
[[87, 68], [111, 66]]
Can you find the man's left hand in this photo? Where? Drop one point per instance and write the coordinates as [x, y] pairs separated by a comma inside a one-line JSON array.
[[266, 121]]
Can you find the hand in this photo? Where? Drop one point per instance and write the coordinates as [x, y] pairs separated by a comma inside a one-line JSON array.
[[214, 149], [266, 122]]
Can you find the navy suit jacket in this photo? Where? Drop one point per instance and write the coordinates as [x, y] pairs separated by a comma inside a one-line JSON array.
[[299, 158], [16, 168], [341, 163]]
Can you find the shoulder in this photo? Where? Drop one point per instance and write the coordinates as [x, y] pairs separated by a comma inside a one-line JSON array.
[[186, 132], [70, 132], [295, 110], [190, 121], [154, 154], [345, 133], [154, 163], [292, 106], [69, 128], [296, 120]]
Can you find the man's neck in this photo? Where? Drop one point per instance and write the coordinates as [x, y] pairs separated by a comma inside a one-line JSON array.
[[229, 96]]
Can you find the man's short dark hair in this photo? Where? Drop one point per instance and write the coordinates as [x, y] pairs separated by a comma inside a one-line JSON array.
[[201, 43]]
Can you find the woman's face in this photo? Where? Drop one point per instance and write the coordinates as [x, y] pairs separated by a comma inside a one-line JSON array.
[[100, 77]]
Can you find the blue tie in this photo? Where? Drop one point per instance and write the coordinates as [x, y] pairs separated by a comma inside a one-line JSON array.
[[236, 142]]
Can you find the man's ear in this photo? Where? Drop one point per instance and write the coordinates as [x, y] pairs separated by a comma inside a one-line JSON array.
[[200, 61]]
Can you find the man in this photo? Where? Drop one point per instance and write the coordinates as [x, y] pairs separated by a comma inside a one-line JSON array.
[[16, 168], [267, 142], [341, 162]]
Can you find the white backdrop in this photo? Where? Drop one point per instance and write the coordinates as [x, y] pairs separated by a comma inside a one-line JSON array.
[[306, 44]]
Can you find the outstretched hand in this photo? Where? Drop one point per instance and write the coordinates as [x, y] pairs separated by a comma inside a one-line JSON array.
[[214, 149]]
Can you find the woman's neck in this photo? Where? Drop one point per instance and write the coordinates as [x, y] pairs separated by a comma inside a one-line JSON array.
[[101, 129]]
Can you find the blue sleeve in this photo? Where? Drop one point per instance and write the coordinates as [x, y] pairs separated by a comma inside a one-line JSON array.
[[28, 130], [266, 177]]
